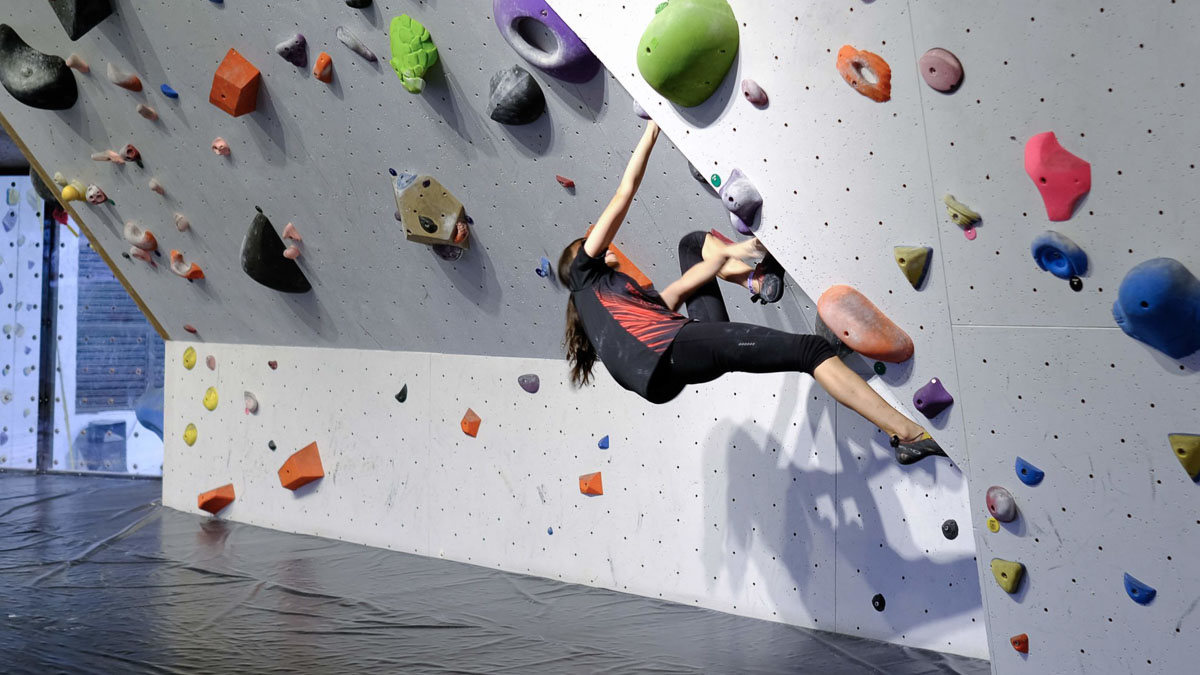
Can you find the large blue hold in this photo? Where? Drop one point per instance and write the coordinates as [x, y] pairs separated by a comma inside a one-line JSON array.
[[1059, 255], [1159, 304], [149, 410]]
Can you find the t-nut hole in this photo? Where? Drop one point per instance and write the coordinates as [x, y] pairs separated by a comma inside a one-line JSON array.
[[536, 34]]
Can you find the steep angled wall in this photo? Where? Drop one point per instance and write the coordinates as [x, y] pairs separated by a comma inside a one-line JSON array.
[[1038, 371]]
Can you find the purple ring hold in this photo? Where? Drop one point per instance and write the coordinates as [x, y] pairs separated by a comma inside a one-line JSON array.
[[570, 60]]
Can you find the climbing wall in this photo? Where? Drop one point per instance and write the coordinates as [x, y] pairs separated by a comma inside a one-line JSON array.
[[1038, 370], [20, 306]]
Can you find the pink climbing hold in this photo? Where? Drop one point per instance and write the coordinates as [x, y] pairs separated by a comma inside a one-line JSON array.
[[941, 69], [291, 252], [220, 147], [189, 328], [754, 93], [181, 222], [147, 112], [289, 232], [970, 233], [76, 61], [157, 186], [141, 254], [1061, 177], [211, 362]]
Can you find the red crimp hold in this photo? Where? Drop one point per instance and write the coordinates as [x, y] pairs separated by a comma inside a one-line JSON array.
[[564, 181]]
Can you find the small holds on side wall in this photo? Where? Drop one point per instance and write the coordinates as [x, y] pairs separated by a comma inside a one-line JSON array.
[[852, 63], [516, 98], [190, 434], [591, 484], [1020, 643], [932, 399], [1028, 473], [189, 358], [294, 50], [123, 79], [211, 362], [214, 501], [470, 423], [1138, 591], [754, 93], [323, 68], [1001, 505], [1186, 448], [993, 525], [190, 328], [941, 69], [950, 529], [273, 365], [1008, 574], [530, 383]]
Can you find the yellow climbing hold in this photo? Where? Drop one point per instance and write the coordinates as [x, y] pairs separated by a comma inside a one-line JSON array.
[[1008, 574], [960, 213], [210, 398], [189, 358], [913, 262], [189, 434], [1187, 451], [993, 524]]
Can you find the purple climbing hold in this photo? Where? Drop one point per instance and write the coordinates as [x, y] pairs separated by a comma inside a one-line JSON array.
[[941, 69], [754, 93], [529, 383], [640, 111], [932, 399], [742, 199], [294, 50], [535, 31], [1001, 505]]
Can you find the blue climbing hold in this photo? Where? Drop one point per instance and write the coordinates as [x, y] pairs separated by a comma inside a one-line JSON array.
[[1059, 255], [1159, 304], [1139, 592], [1028, 473], [603, 443], [168, 91], [148, 410], [549, 530], [543, 269]]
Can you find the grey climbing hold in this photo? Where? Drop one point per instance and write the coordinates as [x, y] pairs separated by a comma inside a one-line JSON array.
[[516, 98], [530, 383], [697, 175], [40, 188], [950, 529], [271, 445], [294, 50], [878, 602], [403, 395], [38, 80], [358, 4], [742, 199], [79, 16], [350, 40], [1001, 505], [263, 261], [640, 111]]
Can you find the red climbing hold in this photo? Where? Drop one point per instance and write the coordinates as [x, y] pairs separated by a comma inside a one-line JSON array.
[[564, 181], [862, 327], [1020, 643], [189, 328], [302, 468], [1061, 177], [470, 423], [215, 500], [273, 364], [323, 69], [235, 85], [591, 484]]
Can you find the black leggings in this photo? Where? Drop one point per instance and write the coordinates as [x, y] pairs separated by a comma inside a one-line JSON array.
[[712, 345]]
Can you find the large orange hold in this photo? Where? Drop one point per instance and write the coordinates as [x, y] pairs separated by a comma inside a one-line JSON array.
[[302, 468], [470, 423], [625, 265], [215, 500], [851, 63], [860, 324], [235, 85], [590, 484]]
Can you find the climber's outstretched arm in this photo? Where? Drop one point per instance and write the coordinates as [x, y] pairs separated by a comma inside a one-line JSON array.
[[610, 221]]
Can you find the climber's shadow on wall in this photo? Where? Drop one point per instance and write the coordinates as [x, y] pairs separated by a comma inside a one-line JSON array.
[[588, 96], [473, 275], [442, 94]]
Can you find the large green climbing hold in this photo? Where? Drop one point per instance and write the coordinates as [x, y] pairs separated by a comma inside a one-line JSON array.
[[1187, 451], [914, 262], [688, 48], [413, 52], [1008, 574]]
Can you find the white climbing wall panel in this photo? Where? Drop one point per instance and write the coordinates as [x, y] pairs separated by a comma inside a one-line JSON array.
[[20, 309], [734, 496], [1037, 370]]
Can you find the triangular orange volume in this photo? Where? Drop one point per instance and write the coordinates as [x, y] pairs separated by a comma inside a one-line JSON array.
[[470, 423], [302, 468], [590, 484]]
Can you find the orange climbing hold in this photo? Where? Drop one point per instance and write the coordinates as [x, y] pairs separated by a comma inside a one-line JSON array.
[[590, 484], [323, 69], [470, 423], [862, 327], [302, 468], [868, 73], [189, 271], [625, 265], [1020, 643], [215, 500], [235, 85]]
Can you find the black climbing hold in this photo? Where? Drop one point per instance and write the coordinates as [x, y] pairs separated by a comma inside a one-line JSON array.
[[271, 444], [262, 259], [880, 367], [950, 529], [1076, 284], [427, 224], [358, 4], [516, 98], [40, 188], [910, 453], [79, 16], [878, 602], [403, 395], [696, 174], [38, 80]]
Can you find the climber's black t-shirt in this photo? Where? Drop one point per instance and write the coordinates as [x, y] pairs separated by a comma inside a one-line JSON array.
[[630, 326]]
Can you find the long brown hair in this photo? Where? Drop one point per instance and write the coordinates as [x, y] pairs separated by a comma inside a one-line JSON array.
[[581, 355]]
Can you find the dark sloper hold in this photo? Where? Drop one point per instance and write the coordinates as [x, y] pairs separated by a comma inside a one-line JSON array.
[[38, 80], [262, 259], [79, 16], [358, 4], [39, 186], [516, 98]]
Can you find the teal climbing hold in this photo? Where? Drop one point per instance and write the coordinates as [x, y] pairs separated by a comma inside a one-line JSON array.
[[603, 444], [413, 52], [716, 180], [1028, 473], [1138, 591], [688, 48]]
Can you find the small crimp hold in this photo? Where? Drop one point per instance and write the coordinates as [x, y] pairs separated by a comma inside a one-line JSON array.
[[189, 271]]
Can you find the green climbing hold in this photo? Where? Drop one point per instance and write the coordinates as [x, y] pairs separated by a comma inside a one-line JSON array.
[[1008, 574], [716, 180], [413, 52], [913, 262], [1187, 451], [688, 48], [880, 367]]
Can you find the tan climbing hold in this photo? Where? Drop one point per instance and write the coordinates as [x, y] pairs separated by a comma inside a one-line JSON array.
[[76, 61], [913, 262], [302, 468], [1187, 451], [140, 238], [470, 423], [960, 214], [147, 112], [157, 186], [182, 223], [429, 213], [215, 500], [1008, 574], [591, 484]]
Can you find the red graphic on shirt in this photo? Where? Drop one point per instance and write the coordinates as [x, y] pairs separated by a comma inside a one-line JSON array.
[[652, 324]]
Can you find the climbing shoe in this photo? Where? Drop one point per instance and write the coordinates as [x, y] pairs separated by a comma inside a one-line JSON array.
[[770, 272], [915, 451]]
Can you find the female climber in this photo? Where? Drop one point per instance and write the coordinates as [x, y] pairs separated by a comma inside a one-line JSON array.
[[655, 352]]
